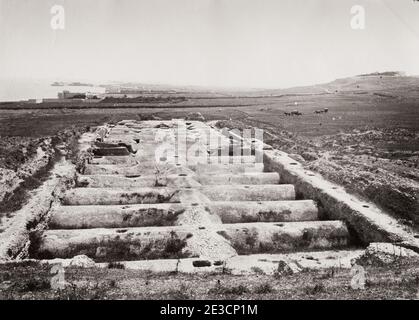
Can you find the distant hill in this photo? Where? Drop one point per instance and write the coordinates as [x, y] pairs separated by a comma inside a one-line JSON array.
[[387, 73], [390, 84]]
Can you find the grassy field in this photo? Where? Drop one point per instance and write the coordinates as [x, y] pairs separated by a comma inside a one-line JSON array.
[[30, 280]]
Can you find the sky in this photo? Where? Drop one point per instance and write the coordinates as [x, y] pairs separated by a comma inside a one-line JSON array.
[[223, 43]]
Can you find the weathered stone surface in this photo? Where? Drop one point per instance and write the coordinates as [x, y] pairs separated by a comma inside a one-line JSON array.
[[249, 192], [113, 216], [161, 207], [369, 222], [103, 196], [250, 264], [284, 269], [119, 160], [117, 244], [14, 240], [220, 168], [260, 237], [264, 211], [82, 261], [245, 178], [379, 254], [113, 181]]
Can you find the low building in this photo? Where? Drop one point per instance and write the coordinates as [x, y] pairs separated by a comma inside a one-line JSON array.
[[71, 95]]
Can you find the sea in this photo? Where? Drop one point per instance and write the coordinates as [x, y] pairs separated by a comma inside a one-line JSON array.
[[17, 89]]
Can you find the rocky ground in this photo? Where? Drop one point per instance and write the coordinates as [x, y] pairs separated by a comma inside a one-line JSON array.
[[21, 158], [25, 163], [30, 280], [380, 163], [377, 164]]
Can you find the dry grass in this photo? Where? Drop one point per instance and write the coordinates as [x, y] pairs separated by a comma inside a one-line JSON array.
[[31, 281]]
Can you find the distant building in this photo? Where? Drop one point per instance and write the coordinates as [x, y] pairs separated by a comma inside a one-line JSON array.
[[95, 95], [71, 95]]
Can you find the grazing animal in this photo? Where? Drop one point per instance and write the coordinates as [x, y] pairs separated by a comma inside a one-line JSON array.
[[296, 113], [287, 113], [322, 111]]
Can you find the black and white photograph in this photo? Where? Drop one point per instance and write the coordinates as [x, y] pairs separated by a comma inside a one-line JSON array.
[[220, 152]]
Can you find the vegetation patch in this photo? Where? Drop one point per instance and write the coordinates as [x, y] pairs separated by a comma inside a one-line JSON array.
[[221, 289]]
